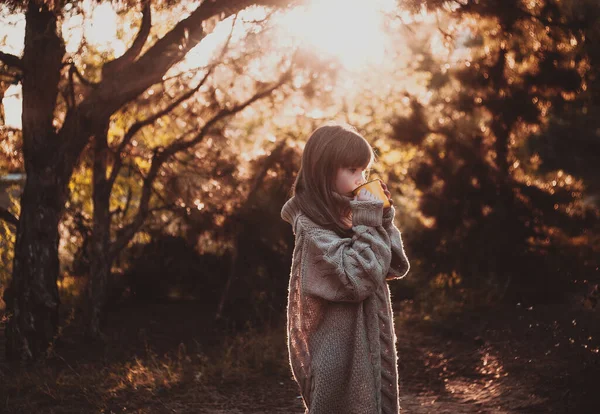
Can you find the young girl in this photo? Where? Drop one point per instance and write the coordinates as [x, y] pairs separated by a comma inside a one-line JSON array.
[[341, 338]]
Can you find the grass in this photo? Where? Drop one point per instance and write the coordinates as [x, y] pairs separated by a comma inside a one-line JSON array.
[[170, 358], [150, 371]]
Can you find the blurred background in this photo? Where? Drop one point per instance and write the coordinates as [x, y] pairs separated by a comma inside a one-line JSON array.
[[485, 118]]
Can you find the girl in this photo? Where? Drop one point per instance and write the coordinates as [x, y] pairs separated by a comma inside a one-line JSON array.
[[340, 328]]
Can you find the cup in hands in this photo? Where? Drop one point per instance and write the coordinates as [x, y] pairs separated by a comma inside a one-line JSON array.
[[373, 190]]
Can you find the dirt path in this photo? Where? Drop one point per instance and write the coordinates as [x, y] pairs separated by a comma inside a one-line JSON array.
[[506, 360], [510, 359]]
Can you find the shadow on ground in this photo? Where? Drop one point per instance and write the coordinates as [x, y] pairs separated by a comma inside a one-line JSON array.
[[509, 359], [171, 357]]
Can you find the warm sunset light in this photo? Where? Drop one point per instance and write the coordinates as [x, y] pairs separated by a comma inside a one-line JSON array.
[[174, 230], [13, 106], [348, 30]]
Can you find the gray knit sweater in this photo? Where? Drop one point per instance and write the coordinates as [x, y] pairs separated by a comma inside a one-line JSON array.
[[340, 327]]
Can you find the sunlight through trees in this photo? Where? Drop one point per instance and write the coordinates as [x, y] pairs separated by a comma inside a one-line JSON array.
[[135, 135]]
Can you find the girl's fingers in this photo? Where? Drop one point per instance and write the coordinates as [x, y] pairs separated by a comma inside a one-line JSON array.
[[386, 191]]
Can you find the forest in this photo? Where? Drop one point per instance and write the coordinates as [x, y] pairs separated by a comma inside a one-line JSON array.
[[148, 146]]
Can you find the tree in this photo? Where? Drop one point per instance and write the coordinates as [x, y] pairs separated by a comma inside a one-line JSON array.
[[490, 210], [51, 150]]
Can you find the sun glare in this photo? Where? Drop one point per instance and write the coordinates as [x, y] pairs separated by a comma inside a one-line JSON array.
[[351, 31], [102, 29], [348, 30], [13, 106]]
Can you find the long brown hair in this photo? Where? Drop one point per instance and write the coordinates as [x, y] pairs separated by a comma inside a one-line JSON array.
[[329, 148]]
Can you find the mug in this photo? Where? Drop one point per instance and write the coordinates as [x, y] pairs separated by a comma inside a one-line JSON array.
[[374, 187]]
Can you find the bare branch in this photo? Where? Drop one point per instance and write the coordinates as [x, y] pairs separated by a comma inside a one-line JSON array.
[[182, 145], [123, 211], [161, 155], [448, 37], [226, 45], [128, 201], [115, 66], [8, 217], [145, 122], [139, 125], [149, 68], [183, 73], [11, 60]]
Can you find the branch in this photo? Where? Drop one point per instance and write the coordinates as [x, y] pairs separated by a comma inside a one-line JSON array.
[[128, 199], [447, 36], [81, 78], [8, 217], [183, 73], [145, 122], [161, 155], [115, 66], [149, 68], [183, 145], [114, 92], [11, 60], [69, 94], [139, 125]]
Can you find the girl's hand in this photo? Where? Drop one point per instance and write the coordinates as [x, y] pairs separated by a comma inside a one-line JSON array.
[[387, 193]]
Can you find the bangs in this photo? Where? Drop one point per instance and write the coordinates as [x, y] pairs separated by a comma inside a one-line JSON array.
[[329, 148], [357, 153]]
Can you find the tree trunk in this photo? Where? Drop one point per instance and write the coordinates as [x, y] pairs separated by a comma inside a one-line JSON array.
[[32, 297], [50, 155], [100, 263], [230, 277]]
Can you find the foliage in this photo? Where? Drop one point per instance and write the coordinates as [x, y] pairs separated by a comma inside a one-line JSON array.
[[491, 215], [7, 242], [483, 117]]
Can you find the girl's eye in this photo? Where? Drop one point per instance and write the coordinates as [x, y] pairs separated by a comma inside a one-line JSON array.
[[352, 170]]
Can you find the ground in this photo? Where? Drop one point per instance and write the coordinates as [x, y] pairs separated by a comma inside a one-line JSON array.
[[166, 358]]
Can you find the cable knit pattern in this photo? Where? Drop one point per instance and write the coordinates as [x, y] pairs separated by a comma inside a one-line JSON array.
[[341, 339]]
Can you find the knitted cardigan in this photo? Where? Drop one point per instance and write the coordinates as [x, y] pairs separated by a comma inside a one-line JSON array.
[[341, 340]]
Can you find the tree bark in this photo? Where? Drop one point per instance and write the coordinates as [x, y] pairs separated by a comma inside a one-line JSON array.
[[100, 264], [32, 297], [50, 155]]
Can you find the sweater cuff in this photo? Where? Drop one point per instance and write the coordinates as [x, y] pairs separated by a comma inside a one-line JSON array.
[[388, 216], [367, 213]]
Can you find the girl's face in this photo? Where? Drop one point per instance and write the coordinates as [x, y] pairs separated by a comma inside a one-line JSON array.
[[347, 179]]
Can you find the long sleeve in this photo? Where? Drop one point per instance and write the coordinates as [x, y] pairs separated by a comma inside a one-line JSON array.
[[349, 269], [399, 265]]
